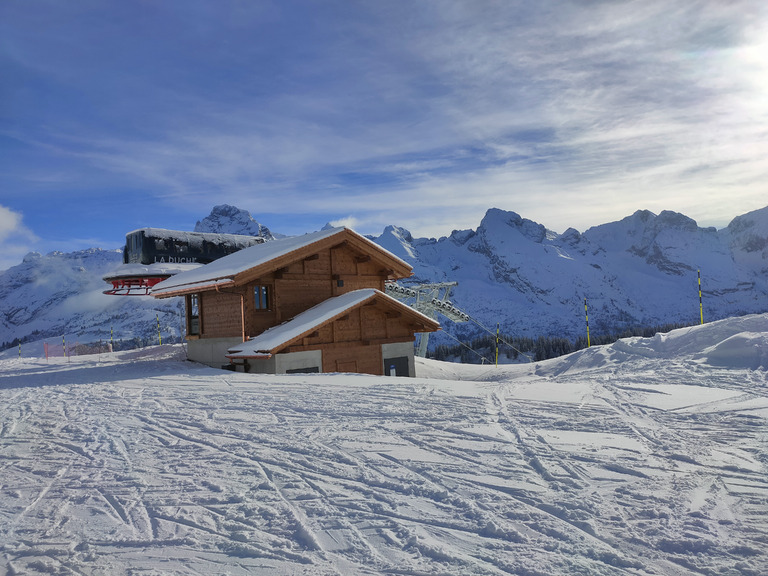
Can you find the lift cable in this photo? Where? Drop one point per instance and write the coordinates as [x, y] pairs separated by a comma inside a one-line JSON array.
[[467, 347], [501, 339], [433, 304]]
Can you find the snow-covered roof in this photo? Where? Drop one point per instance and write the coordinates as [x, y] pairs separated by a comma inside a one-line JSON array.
[[254, 256], [278, 336], [196, 238]]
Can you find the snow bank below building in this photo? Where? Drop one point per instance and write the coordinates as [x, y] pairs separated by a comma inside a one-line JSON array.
[[647, 456]]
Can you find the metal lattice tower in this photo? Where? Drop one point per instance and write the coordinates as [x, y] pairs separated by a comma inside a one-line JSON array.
[[430, 300]]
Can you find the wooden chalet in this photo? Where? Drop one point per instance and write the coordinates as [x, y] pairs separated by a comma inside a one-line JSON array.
[[312, 303]]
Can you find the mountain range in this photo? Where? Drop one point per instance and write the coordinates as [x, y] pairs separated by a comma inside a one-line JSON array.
[[642, 270]]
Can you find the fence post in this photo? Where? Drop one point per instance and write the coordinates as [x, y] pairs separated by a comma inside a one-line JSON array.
[[159, 337]]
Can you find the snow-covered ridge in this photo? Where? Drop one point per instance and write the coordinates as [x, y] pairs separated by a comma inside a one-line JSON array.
[[644, 457], [60, 295], [639, 271]]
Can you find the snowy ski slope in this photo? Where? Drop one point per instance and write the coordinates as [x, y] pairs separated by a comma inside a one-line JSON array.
[[649, 456]]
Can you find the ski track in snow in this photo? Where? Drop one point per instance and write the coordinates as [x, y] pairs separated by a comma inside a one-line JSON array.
[[139, 463]]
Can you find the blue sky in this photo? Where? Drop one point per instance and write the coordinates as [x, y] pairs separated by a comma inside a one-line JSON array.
[[116, 115]]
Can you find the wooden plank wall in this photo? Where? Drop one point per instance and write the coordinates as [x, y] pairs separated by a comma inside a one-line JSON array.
[[354, 358], [368, 323], [221, 314], [295, 295], [295, 288]]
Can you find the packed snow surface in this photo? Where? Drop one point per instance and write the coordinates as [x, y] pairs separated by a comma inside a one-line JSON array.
[[648, 456]]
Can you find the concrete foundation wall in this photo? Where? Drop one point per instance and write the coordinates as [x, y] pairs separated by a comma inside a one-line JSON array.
[[299, 361], [310, 361], [265, 366], [211, 351]]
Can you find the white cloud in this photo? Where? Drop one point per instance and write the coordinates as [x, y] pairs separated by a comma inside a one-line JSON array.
[[570, 113], [349, 222], [9, 222], [15, 239]]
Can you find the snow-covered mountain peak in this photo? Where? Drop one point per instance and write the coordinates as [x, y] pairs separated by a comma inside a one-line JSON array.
[[496, 221], [399, 232], [398, 241], [640, 270], [646, 235], [232, 220], [749, 232], [570, 237], [61, 294], [460, 237], [674, 220], [757, 219], [671, 242]]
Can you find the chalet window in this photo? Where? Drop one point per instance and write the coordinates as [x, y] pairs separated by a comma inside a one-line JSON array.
[[261, 297], [193, 313]]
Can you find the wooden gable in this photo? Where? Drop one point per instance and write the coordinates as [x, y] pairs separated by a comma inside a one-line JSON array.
[[343, 256]]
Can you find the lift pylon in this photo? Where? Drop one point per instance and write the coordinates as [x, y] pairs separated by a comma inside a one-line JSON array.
[[430, 300]]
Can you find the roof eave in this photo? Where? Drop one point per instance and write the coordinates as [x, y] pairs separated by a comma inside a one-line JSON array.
[[194, 288], [264, 356]]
